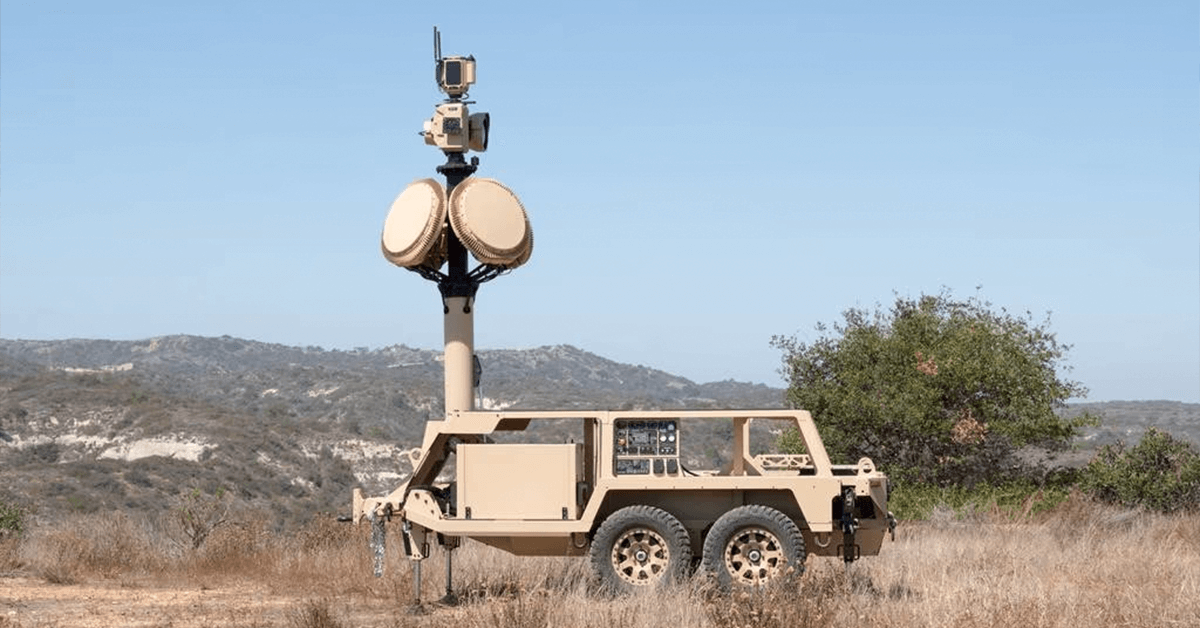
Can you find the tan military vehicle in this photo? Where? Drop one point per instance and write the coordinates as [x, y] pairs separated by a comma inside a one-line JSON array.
[[622, 490], [623, 495]]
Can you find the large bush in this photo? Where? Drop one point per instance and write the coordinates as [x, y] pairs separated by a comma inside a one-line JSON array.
[[936, 390], [1160, 473]]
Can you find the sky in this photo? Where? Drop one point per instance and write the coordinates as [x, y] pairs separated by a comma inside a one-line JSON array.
[[699, 176]]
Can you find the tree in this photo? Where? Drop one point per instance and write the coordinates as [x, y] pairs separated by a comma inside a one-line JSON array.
[[935, 390]]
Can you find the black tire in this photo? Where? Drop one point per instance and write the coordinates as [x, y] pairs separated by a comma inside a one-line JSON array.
[[640, 547], [752, 546]]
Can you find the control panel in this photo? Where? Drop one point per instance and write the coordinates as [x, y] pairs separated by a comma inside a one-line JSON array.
[[645, 447]]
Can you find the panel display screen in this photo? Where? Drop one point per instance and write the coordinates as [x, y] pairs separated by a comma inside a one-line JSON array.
[[634, 438]]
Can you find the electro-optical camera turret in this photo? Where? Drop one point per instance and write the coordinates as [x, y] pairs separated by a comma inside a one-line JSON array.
[[455, 75], [453, 128]]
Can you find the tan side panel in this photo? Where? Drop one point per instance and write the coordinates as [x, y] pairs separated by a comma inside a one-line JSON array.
[[535, 482]]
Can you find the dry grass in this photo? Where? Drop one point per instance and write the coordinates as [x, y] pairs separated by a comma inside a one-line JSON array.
[[1079, 565], [10, 559]]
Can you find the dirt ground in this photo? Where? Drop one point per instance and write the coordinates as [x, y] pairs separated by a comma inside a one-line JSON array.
[[1083, 565], [27, 602]]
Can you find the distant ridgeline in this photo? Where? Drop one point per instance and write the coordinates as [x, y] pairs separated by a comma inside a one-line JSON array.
[[93, 424], [100, 424]]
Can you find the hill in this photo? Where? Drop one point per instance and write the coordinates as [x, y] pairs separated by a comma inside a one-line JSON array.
[[88, 425], [91, 425]]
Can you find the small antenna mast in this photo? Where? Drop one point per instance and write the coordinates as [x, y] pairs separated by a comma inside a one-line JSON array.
[[437, 45]]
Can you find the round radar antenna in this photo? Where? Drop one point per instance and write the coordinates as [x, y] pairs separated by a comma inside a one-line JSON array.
[[415, 226], [491, 222]]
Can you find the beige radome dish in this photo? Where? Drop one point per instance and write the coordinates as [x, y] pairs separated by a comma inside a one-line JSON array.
[[415, 224], [490, 220]]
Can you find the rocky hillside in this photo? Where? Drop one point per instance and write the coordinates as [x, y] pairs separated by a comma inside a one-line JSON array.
[[89, 425], [97, 424]]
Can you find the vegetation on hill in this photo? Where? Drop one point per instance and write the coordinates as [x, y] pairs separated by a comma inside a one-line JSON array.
[[91, 425], [1160, 473], [291, 430]]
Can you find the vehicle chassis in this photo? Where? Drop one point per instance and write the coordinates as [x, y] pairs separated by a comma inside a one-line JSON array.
[[550, 499]]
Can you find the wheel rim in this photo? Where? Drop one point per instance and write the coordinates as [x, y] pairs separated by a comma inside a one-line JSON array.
[[640, 556], [753, 556]]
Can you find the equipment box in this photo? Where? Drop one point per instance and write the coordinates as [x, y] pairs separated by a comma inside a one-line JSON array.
[[502, 481]]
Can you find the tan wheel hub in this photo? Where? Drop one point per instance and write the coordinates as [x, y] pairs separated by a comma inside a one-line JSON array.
[[640, 556], [753, 556]]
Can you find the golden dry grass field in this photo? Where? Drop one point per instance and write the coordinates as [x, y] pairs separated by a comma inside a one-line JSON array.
[[1079, 565]]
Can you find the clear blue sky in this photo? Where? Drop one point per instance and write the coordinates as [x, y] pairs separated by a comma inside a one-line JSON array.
[[699, 176]]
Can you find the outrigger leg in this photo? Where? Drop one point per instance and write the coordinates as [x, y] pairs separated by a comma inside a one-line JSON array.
[[450, 544], [850, 550], [416, 551], [416, 583]]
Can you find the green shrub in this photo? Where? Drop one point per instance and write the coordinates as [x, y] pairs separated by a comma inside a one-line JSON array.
[[1161, 473], [936, 390], [12, 518]]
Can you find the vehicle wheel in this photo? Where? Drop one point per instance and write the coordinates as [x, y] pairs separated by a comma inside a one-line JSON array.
[[640, 546], [751, 546]]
